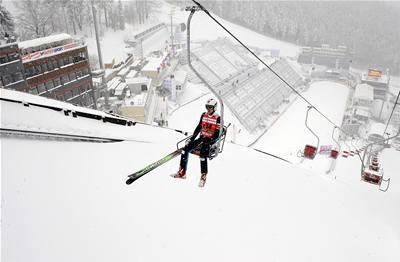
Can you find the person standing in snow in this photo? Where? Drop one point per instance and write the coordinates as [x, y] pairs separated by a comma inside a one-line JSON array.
[[209, 129]]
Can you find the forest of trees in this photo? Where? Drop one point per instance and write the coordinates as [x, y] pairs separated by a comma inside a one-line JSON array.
[[38, 18], [370, 29], [6, 22]]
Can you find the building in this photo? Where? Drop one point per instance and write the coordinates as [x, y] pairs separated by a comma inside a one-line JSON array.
[[376, 132], [339, 58], [58, 67], [12, 75], [181, 80], [379, 81], [136, 107], [138, 85], [363, 95]]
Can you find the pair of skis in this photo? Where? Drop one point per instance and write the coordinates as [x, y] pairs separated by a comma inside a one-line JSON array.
[[135, 176]]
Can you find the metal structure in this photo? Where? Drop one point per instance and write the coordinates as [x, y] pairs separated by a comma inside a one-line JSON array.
[[309, 150], [335, 151], [370, 168], [192, 10]]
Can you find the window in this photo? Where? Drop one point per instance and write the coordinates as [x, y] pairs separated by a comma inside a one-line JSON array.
[[41, 88], [57, 82], [66, 61], [67, 95], [50, 65], [60, 62], [78, 74], [72, 76], [71, 59], [12, 57], [55, 64], [33, 91], [6, 80], [1, 82], [3, 59], [38, 69], [75, 92], [44, 67], [18, 76], [28, 72], [64, 79], [49, 85]]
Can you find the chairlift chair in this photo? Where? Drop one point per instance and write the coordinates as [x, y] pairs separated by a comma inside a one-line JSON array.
[[309, 150], [215, 148], [373, 173], [335, 151]]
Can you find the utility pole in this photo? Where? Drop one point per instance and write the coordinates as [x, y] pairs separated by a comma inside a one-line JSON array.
[[172, 32], [103, 84], [97, 36]]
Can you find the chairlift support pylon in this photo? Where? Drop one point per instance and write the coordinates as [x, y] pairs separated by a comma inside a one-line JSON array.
[[309, 150]]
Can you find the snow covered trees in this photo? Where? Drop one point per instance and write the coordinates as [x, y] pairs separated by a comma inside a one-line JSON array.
[[6, 23], [38, 18], [370, 29]]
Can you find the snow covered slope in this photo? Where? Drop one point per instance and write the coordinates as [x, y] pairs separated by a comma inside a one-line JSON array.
[[67, 201], [204, 28]]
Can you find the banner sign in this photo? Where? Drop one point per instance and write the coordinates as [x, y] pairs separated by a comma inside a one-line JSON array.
[[325, 149], [48, 52]]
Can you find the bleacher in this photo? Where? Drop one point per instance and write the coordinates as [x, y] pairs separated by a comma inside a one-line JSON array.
[[251, 94]]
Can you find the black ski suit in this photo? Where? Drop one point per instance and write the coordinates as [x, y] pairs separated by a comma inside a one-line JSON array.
[[205, 144]]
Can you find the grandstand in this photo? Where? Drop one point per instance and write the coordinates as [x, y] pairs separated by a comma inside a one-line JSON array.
[[251, 94]]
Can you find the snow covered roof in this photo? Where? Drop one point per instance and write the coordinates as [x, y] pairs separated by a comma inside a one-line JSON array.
[[113, 83], [362, 111], [137, 80], [43, 40], [365, 92], [131, 74], [120, 88], [123, 71], [377, 129], [180, 76], [136, 100], [153, 63], [382, 80]]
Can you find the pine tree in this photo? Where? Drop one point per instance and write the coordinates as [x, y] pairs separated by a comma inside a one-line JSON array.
[[6, 23], [121, 17]]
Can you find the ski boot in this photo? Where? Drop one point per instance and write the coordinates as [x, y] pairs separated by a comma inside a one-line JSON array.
[[202, 180], [180, 174]]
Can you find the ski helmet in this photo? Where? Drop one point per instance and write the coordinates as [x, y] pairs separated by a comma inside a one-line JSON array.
[[211, 103]]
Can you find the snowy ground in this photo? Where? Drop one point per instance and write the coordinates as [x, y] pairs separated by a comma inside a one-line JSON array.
[[68, 201], [204, 28], [329, 98]]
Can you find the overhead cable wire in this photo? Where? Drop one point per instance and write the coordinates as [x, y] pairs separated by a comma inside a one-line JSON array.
[[391, 114], [276, 74]]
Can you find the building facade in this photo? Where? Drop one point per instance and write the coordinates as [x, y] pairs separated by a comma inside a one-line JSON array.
[[12, 75], [325, 55], [379, 81], [57, 67]]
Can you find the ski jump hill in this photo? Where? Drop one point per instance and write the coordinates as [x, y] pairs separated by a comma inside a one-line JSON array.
[[64, 197]]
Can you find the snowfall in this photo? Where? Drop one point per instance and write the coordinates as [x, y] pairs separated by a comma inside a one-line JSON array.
[[65, 200]]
